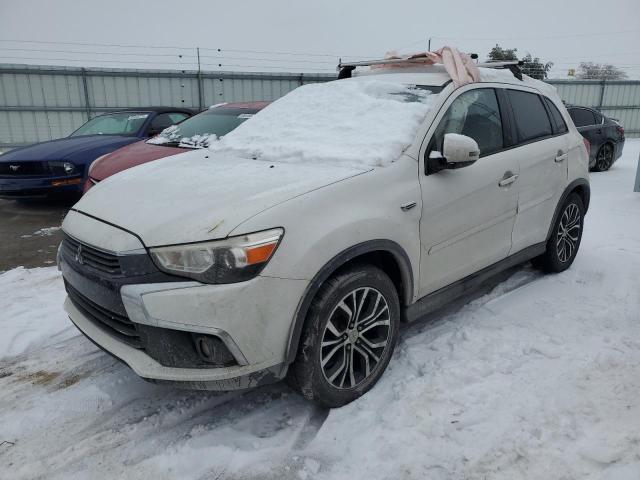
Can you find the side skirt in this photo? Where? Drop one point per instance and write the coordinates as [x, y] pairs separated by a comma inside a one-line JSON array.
[[440, 298]]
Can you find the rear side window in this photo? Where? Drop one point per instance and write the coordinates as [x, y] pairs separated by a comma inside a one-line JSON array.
[[582, 117], [475, 114], [560, 124], [530, 115]]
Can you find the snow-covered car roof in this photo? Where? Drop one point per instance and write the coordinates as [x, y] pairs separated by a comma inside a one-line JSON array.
[[364, 121]]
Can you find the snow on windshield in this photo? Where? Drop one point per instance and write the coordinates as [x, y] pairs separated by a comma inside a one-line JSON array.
[[349, 122], [203, 129], [174, 135]]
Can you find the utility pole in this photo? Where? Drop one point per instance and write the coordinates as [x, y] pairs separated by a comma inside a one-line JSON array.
[[429, 45], [200, 93]]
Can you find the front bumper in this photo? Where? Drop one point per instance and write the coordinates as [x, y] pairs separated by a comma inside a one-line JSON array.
[[39, 187], [223, 378], [253, 319]]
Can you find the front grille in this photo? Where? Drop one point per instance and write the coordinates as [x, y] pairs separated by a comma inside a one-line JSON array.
[[24, 169], [87, 255], [113, 323]]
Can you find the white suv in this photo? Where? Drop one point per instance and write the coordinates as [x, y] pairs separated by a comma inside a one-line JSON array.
[[298, 245]]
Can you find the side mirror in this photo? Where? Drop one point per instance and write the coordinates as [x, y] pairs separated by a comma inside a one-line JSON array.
[[458, 151]]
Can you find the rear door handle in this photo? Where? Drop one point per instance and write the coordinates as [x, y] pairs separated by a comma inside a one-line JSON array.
[[561, 157], [508, 179]]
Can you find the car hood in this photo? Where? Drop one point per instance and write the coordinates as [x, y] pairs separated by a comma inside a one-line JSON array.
[[199, 195], [66, 148], [130, 156]]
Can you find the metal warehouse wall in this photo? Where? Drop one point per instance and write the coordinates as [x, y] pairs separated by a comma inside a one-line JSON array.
[[40, 103]]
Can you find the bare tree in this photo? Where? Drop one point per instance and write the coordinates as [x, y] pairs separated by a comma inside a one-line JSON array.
[[599, 71]]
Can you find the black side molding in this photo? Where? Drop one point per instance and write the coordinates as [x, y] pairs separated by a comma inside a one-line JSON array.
[[388, 246], [438, 299]]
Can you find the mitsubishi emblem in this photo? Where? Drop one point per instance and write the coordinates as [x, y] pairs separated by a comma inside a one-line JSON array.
[[78, 256], [14, 168]]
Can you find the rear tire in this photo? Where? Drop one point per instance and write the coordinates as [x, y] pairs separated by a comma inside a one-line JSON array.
[[348, 337], [564, 242], [604, 158]]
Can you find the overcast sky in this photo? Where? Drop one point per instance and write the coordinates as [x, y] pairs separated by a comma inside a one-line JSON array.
[[255, 34]]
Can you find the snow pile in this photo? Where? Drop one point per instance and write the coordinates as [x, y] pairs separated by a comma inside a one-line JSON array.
[[31, 309], [354, 121], [173, 134]]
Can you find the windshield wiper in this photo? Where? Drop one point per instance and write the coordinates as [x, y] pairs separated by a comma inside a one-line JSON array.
[[173, 143]]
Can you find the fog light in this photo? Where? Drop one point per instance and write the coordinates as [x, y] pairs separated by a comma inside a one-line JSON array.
[[212, 350]]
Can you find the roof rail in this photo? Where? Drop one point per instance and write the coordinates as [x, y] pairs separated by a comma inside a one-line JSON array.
[[346, 68]]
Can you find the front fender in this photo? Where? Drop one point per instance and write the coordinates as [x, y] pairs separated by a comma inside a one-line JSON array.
[[326, 228]]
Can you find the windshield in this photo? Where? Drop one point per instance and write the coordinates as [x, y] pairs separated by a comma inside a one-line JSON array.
[[351, 122], [123, 123], [203, 129]]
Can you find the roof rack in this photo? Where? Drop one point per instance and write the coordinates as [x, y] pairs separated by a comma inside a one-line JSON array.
[[346, 68]]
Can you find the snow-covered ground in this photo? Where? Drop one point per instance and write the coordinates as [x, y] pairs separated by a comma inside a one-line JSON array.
[[538, 379]]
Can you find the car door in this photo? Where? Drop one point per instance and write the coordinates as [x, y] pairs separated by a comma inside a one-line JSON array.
[[542, 152], [468, 213]]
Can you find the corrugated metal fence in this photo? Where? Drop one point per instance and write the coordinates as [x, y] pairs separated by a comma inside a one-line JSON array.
[[40, 103]]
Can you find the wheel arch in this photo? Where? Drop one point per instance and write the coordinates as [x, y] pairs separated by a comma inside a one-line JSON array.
[[579, 186], [387, 255]]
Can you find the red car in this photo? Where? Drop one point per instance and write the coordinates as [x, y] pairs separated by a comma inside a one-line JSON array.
[[195, 132]]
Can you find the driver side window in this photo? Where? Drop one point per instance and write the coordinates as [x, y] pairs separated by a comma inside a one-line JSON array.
[[475, 114]]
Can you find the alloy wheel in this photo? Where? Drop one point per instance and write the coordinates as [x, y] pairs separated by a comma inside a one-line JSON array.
[[605, 157], [568, 234], [355, 338]]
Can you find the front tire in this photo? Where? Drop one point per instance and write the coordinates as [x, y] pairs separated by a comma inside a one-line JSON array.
[[348, 338], [566, 235]]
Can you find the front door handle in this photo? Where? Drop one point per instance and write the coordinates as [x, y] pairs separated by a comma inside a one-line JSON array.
[[508, 179]]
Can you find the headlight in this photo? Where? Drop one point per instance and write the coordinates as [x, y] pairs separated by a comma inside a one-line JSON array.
[[96, 161], [59, 167], [231, 260]]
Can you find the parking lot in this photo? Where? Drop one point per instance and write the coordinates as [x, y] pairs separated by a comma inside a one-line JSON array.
[[30, 232]]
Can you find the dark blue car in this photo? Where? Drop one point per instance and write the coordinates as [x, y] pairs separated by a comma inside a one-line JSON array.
[[61, 166]]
